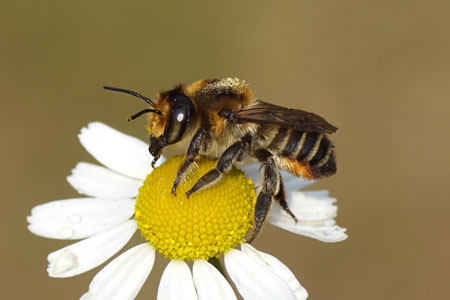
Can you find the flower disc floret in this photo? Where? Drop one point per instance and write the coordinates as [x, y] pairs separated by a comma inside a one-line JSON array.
[[208, 223]]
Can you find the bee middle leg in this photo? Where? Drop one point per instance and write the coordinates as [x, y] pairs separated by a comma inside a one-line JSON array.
[[270, 188], [281, 198], [234, 152]]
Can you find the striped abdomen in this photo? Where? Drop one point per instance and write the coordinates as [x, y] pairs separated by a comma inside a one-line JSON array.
[[309, 155]]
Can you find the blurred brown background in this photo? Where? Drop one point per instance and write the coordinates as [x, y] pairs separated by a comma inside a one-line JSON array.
[[379, 70]]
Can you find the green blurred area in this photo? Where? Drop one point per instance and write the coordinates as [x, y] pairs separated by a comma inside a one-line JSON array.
[[379, 70]]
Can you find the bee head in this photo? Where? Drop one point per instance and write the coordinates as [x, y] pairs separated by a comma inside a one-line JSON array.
[[170, 115], [168, 128], [180, 112]]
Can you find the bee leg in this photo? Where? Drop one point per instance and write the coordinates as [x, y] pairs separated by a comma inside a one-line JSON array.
[[223, 165], [281, 198], [270, 188], [155, 148], [193, 151]]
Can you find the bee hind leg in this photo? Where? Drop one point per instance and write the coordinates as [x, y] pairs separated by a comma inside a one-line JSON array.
[[224, 164], [270, 188], [281, 198]]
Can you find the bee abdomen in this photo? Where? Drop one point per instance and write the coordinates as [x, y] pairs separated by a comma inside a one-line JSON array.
[[312, 150], [294, 144], [279, 140]]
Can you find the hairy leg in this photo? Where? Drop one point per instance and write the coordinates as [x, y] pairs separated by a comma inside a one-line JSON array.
[[271, 187], [233, 153], [192, 152]]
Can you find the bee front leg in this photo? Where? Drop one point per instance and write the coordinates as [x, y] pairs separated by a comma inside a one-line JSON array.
[[224, 164], [270, 188], [193, 151]]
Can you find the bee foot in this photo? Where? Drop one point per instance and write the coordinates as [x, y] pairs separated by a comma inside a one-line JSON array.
[[285, 207], [293, 216], [188, 193], [174, 190], [253, 235]]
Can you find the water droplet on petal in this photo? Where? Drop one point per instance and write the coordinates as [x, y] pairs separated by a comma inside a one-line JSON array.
[[65, 261], [75, 219], [67, 232]]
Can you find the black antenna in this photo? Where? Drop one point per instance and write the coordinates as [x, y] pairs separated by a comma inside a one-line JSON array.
[[148, 100], [144, 111]]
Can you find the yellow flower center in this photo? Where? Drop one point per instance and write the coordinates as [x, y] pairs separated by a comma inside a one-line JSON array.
[[207, 224]]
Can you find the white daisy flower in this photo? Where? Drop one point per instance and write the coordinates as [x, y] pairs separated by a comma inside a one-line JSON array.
[[122, 198]]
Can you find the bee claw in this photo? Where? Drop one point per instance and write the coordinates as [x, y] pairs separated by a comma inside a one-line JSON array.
[[188, 193], [292, 215], [155, 159], [174, 190], [252, 237]]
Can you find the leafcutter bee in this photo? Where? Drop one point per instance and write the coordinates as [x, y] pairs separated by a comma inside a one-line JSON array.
[[221, 119]]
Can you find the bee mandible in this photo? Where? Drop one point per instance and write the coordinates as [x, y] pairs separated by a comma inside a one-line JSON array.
[[221, 119]]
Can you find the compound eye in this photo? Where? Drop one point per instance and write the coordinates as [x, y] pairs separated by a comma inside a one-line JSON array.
[[177, 124]]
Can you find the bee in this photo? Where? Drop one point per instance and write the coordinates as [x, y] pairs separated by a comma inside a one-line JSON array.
[[221, 119]]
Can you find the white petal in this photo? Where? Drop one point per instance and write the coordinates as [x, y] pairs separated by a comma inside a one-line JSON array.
[[210, 284], [252, 171], [176, 282], [119, 152], [78, 218], [278, 267], [91, 252], [255, 281], [290, 182], [98, 181], [122, 278], [294, 183], [315, 212]]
